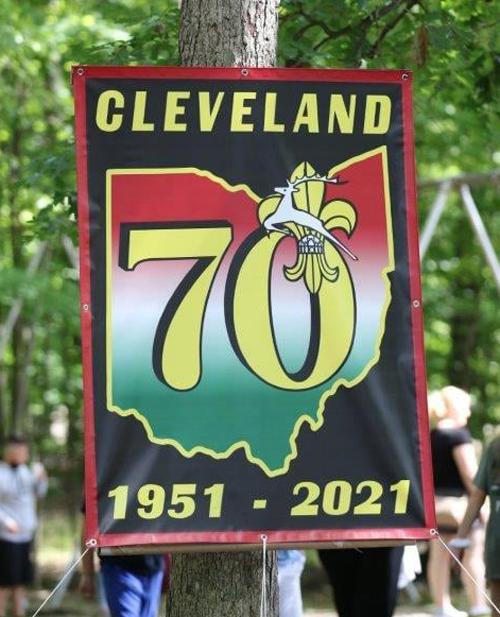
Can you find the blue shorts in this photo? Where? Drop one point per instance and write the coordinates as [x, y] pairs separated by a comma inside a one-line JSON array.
[[131, 594]]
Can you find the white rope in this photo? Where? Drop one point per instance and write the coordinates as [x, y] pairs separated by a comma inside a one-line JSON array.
[[90, 545], [434, 532], [263, 597]]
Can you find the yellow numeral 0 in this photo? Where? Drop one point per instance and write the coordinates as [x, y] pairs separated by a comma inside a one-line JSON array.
[[250, 322], [337, 498]]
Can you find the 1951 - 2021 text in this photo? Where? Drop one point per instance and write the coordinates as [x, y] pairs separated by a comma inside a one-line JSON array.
[[335, 498]]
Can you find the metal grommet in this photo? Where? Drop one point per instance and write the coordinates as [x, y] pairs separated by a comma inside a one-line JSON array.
[[263, 537], [91, 543], [85, 307], [416, 303], [79, 71], [405, 76], [244, 72]]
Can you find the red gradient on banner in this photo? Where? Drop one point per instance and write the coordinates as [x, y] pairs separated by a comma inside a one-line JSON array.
[[187, 196]]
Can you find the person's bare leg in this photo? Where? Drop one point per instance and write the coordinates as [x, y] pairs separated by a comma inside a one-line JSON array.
[[18, 601], [438, 573], [4, 592], [473, 561]]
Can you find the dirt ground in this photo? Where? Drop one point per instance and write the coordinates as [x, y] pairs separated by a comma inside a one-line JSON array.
[[74, 606]]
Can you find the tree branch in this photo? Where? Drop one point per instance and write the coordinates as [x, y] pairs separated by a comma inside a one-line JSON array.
[[364, 24], [287, 17], [387, 28], [361, 43]]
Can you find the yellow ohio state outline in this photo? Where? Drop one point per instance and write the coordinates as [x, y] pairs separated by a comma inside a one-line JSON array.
[[314, 424]]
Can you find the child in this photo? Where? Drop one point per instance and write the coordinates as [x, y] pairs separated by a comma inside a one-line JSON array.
[[19, 488], [486, 482]]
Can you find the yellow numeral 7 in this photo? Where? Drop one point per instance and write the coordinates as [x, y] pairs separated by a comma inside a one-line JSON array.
[[177, 345]]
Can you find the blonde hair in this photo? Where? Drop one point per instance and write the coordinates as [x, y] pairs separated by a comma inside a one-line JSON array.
[[453, 396], [441, 403], [436, 406]]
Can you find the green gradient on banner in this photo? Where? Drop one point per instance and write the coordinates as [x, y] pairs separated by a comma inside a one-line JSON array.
[[267, 426]]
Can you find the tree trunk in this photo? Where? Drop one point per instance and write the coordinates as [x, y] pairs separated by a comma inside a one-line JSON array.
[[24, 380], [221, 585], [225, 33], [228, 32], [18, 263]]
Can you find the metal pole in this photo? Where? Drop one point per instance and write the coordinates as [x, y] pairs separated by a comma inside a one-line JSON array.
[[434, 216], [15, 309], [492, 176], [481, 233], [71, 252]]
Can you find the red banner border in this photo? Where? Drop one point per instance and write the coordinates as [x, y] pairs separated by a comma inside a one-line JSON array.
[[272, 537]]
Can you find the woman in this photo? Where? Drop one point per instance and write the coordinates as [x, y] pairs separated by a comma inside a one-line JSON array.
[[455, 466]]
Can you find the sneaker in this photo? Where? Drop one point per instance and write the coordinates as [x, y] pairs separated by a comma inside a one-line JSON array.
[[448, 611], [476, 611]]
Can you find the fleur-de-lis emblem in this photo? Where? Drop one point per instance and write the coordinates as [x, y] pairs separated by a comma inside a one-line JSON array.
[[299, 209]]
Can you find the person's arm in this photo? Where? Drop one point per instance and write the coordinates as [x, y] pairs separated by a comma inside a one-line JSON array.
[[465, 459], [87, 582], [460, 542], [41, 482], [474, 505], [8, 523]]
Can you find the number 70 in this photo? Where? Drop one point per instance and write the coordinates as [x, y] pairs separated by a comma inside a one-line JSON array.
[[177, 359]]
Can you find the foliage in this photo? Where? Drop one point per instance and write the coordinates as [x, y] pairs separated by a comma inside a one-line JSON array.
[[452, 47]]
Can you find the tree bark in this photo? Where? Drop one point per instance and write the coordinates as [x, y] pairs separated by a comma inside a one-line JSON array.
[[24, 380], [228, 32], [225, 33], [221, 585], [18, 263]]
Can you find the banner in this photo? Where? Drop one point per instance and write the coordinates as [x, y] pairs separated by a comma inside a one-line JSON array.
[[251, 309]]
